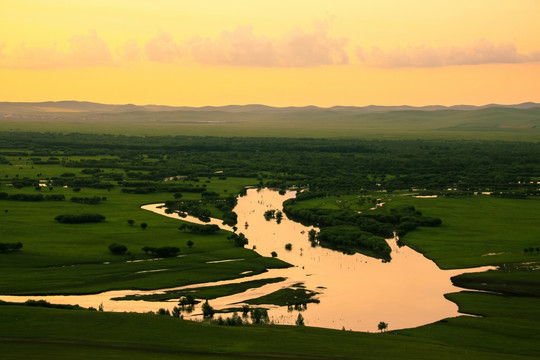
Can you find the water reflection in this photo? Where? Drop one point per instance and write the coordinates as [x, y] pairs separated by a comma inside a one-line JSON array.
[[355, 291]]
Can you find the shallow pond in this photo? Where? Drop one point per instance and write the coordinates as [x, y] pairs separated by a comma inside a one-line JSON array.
[[355, 291]]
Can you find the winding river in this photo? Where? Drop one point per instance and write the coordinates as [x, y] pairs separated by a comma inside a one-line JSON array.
[[356, 292]]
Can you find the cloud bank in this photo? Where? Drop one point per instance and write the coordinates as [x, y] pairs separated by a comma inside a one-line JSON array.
[[480, 52], [298, 48], [162, 48], [84, 50], [238, 47], [242, 47]]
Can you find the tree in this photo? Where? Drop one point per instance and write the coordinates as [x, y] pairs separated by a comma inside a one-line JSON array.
[[300, 320], [288, 246], [146, 249], [131, 222], [187, 300], [274, 254], [382, 326], [279, 216], [208, 311], [312, 234], [163, 311], [259, 316], [166, 251], [240, 240], [269, 214], [79, 219], [176, 311], [10, 247], [144, 225], [117, 249], [190, 244]]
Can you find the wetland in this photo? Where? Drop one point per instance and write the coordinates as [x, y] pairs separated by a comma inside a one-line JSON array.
[[351, 291], [459, 206]]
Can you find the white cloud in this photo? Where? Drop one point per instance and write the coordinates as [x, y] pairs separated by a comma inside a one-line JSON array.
[[89, 50], [241, 47], [162, 48], [84, 50], [480, 52]]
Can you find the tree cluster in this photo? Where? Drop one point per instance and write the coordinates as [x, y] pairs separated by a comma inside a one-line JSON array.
[[94, 200], [10, 247], [162, 252], [79, 219]]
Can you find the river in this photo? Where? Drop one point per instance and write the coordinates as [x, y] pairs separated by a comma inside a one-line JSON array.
[[356, 292]]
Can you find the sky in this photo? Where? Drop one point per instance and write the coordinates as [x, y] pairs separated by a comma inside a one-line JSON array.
[[279, 53]]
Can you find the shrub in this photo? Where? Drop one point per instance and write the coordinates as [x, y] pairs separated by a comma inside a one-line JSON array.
[[79, 219], [117, 249], [10, 247], [166, 251]]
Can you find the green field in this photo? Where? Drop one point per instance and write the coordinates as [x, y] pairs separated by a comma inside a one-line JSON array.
[[59, 258], [485, 124], [509, 330], [477, 230], [50, 248]]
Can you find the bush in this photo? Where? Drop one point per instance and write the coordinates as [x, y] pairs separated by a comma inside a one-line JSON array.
[[166, 251], [10, 247], [208, 311], [117, 249], [86, 200], [259, 316], [79, 219], [240, 240], [58, 197], [26, 197], [202, 229]]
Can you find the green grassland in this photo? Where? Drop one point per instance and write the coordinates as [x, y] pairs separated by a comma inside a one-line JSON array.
[[509, 330], [74, 258], [472, 226], [486, 124], [474, 229], [205, 292]]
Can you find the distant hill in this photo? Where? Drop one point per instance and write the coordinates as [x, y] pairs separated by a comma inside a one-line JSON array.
[[492, 121], [16, 108]]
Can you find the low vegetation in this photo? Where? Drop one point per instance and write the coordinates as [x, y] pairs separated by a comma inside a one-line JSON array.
[[355, 191]]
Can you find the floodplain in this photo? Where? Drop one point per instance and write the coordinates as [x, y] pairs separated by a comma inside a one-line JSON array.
[[485, 194]]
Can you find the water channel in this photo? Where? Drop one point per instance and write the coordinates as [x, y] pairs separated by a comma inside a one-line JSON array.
[[355, 291]]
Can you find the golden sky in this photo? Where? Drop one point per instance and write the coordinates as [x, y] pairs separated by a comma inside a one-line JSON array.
[[280, 53]]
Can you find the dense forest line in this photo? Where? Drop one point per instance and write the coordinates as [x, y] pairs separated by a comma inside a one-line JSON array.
[[320, 164]]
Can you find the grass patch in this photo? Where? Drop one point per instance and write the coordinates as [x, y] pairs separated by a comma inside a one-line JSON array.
[[50, 333], [476, 230], [287, 297], [207, 292]]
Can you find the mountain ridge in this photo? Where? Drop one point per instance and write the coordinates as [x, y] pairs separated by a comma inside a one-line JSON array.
[[93, 107]]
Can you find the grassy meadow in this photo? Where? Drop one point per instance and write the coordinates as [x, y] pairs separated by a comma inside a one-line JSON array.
[[482, 124], [74, 258], [59, 258]]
